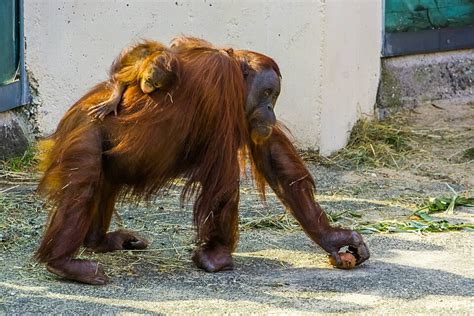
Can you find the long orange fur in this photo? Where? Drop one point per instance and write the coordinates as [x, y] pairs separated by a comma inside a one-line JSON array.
[[196, 135]]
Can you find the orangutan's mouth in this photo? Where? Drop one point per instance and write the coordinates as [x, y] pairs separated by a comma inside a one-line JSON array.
[[261, 133]]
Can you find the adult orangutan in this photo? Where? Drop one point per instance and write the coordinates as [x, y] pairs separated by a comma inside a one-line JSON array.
[[222, 105]]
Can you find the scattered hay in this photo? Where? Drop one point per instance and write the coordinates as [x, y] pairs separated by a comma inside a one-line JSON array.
[[21, 216], [334, 217], [372, 143], [375, 143], [13, 178], [313, 156], [131, 262], [272, 221], [285, 221]]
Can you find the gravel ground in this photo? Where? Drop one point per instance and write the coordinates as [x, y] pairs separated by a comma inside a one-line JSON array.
[[277, 270]]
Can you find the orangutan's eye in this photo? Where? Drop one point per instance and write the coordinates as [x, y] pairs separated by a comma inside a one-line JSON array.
[[267, 92]]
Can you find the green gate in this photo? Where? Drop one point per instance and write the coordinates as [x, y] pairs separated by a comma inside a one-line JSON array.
[[13, 85], [418, 26]]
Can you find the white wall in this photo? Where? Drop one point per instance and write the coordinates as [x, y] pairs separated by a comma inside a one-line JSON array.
[[351, 68], [328, 51]]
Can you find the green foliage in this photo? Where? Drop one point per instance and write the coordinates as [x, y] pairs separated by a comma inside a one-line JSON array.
[[446, 204], [415, 226], [468, 154], [422, 221], [27, 162]]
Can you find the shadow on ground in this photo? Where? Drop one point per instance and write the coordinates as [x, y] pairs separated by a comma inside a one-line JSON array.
[[297, 279]]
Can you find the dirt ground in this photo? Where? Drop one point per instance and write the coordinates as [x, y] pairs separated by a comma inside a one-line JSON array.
[[277, 268]]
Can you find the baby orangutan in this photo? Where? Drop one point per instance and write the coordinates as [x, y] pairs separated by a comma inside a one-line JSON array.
[[150, 64]]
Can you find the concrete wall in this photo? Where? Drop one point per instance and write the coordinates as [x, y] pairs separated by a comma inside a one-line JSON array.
[[351, 68], [410, 81], [328, 51]]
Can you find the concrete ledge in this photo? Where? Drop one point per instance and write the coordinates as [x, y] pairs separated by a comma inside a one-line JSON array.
[[409, 81]]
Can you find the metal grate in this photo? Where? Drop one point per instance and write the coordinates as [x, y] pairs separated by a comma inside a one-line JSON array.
[[13, 83], [422, 26]]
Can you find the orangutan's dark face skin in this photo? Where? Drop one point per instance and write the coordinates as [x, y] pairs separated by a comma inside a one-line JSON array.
[[263, 92]]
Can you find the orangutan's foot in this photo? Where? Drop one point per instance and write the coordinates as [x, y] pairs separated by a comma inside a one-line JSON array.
[[217, 258], [83, 271]]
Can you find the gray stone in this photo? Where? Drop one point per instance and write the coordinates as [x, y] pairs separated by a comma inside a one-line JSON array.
[[13, 136]]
